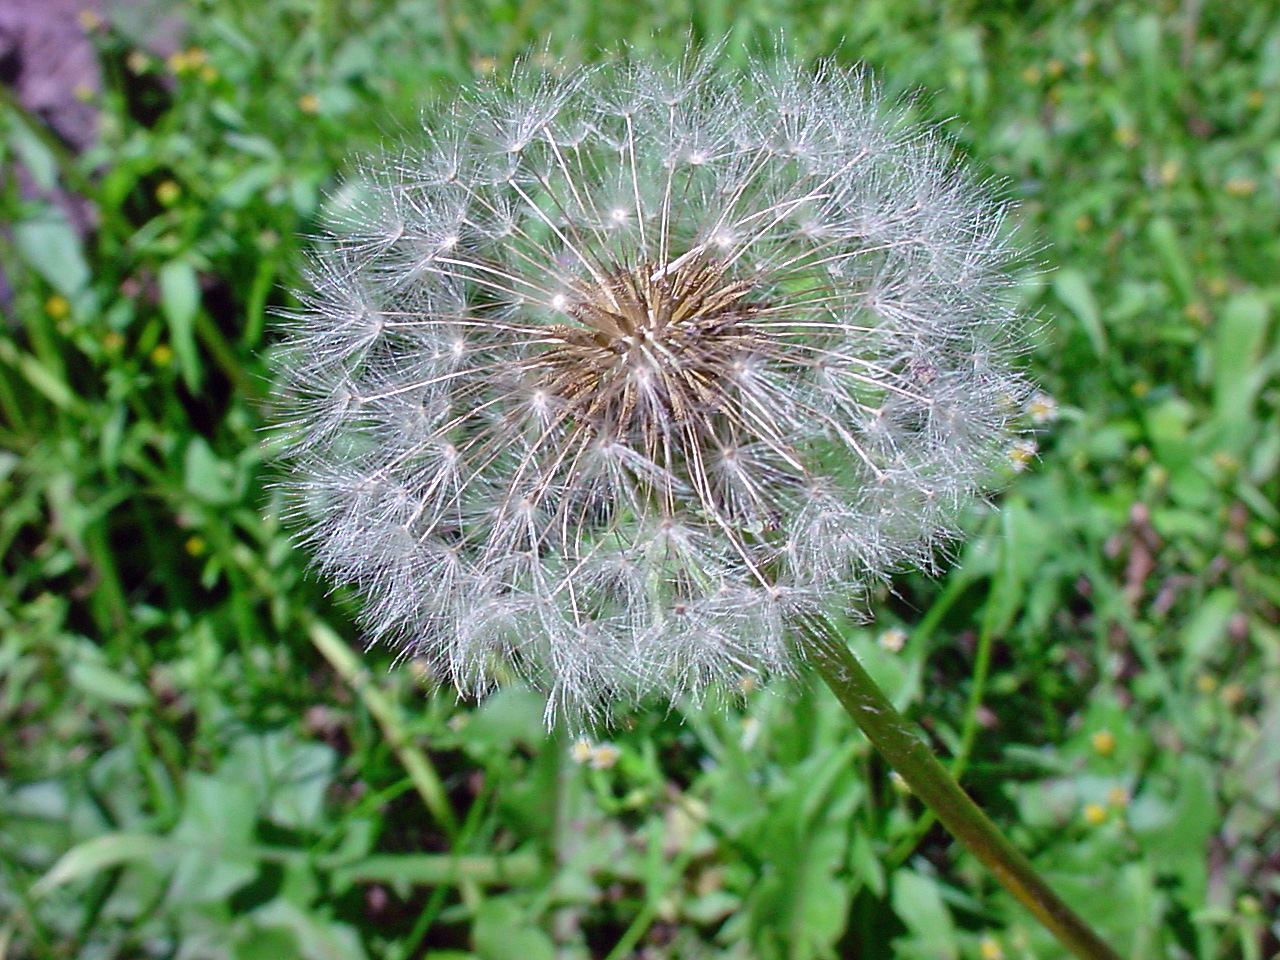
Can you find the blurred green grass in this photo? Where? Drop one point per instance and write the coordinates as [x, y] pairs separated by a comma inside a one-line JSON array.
[[193, 763]]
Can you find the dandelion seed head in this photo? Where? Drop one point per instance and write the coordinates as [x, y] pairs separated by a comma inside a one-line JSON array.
[[630, 367]]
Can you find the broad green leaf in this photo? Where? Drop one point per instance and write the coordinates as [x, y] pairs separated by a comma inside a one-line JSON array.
[[214, 836], [51, 246], [290, 777]]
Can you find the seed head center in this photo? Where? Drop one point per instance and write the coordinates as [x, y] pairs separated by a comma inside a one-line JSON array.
[[652, 346]]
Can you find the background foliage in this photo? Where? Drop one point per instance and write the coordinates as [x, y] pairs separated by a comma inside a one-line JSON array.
[[194, 762]]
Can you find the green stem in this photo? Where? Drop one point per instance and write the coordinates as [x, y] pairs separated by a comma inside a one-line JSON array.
[[509, 869], [899, 743], [969, 731], [423, 776]]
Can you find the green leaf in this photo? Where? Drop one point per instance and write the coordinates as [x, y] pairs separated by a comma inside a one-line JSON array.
[[36, 157], [214, 836], [503, 929], [179, 301], [1073, 290], [51, 246], [1239, 338], [99, 853], [309, 936], [205, 476], [1168, 246], [98, 680], [1177, 844], [865, 864], [1204, 634], [918, 903], [289, 777]]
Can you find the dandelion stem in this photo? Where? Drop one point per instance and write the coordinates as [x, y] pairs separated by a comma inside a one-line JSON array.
[[901, 745]]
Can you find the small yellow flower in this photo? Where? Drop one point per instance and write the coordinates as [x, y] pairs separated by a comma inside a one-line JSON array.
[[209, 73], [604, 756], [167, 193], [137, 62], [1256, 99], [1169, 171], [1241, 186], [309, 103], [1197, 313], [989, 948], [1127, 137], [1086, 58], [88, 20], [162, 355], [1031, 75], [1043, 408], [1206, 683], [112, 342], [421, 670], [57, 307], [177, 62], [598, 756], [1140, 389], [83, 92], [1021, 453], [1231, 694], [1118, 797], [1095, 814], [1226, 462], [1104, 742], [195, 546], [1054, 68], [893, 639]]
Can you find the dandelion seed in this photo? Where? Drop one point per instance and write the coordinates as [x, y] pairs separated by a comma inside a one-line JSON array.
[[628, 368]]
